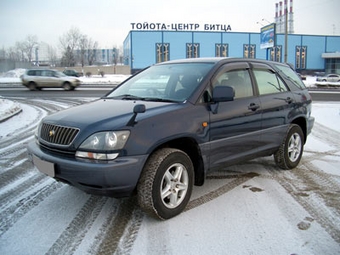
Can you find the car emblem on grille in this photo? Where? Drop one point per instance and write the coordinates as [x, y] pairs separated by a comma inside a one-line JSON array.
[[51, 133]]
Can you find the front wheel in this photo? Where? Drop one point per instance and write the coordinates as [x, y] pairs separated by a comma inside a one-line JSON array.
[[290, 152], [67, 86], [166, 183]]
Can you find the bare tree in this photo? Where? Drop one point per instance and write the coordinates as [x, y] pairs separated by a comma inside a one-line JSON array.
[[52, 55], [83, 46], [30, 43], [92, 52], [70, 39], [73, 41], [20, 51], [13, 53], [69, 42]]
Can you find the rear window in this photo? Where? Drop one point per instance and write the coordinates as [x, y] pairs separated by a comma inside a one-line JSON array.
[[295, 82]]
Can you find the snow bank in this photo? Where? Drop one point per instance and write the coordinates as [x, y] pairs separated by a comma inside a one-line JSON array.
[[8, 108]]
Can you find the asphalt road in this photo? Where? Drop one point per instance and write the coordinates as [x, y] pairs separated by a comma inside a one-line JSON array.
[[99, 90]]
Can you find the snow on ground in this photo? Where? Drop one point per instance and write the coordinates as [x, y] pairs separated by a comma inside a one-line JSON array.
[[250, 222]]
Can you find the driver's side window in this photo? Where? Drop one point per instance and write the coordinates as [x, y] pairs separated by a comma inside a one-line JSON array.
[[237, 79]]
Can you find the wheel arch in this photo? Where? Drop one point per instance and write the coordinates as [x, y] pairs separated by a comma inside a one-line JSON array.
[[301, 121], [191, 148]]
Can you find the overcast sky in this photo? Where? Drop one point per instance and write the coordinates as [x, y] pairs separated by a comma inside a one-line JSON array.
[[109, 21]]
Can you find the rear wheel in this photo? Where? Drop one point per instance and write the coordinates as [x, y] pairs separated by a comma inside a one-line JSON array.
[[165, 186], [32, 86], [290, 152]]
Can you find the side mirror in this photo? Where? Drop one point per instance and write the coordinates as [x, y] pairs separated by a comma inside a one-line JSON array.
[[139, 108], [223, 94]]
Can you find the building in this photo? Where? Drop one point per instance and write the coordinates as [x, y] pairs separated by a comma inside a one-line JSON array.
[[308, 53], [150, 43]]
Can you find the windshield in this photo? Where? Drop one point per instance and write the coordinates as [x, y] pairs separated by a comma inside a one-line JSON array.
[[170, 82], [60, 74], [292, 76]]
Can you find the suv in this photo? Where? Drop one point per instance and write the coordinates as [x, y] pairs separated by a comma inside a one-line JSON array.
[[70, 72], [163, 129], [45, 78]]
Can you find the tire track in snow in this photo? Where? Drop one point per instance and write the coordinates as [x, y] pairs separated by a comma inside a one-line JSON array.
[[315, 190], [298, 183], [115, 227], [21, 189], [238, 180], [73, 235], [326, 134], [15, 212]]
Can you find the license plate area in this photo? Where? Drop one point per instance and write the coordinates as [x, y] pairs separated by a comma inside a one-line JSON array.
[[44, 166]]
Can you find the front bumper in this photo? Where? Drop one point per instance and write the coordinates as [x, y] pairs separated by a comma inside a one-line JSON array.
[[116, 178]]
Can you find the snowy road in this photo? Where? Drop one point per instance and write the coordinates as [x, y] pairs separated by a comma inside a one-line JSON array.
[[252, 208]]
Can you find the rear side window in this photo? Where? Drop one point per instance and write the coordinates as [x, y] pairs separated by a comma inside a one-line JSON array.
[[47, 73], [294, 81], [34, 72], [31, 72], [268, 82]]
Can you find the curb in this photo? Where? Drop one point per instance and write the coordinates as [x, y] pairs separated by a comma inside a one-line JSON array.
[[9, 110]]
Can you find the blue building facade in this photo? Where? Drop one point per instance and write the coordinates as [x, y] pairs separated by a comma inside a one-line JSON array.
[[308, 53]]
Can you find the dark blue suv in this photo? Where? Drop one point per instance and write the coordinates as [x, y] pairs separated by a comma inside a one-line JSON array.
[[160, 132]]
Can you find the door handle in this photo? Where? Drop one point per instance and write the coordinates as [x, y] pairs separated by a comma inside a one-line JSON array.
[[253, 106]]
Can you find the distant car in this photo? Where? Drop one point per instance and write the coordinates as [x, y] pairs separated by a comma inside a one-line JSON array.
[[70, 72], [329, 78], [35, 79], [302, 76]]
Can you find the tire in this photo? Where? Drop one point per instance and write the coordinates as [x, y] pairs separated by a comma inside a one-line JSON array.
[[67, 86], [160, 176], [290, 151], [32, 86]]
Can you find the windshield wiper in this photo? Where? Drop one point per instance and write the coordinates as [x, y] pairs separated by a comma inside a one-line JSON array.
[[127, 97], [158, 99]]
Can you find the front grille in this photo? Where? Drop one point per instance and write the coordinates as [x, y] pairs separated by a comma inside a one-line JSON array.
[[58, 134]]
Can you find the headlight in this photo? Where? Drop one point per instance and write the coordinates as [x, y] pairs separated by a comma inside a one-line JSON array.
[[103, 145]]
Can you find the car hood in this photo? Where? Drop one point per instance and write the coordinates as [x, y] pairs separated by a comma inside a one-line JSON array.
[[106, 114]]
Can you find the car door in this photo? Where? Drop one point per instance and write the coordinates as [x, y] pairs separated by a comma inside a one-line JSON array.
[[46, 80], [333, 78], [235, 125], [277, 101]]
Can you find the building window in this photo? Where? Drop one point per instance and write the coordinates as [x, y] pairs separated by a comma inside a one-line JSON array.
[[332, 65], [276, 53], [249, 50], [193, 50], [221, 50], [162, 52], [300, 57]]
